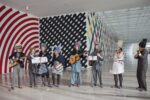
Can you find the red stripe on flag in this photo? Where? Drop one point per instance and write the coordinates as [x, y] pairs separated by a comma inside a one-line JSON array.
[[2, 8], [33, 28], [12, 23], [5, 14], [6, 21]]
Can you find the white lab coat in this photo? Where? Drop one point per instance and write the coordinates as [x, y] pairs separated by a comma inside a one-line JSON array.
[[118, 65]]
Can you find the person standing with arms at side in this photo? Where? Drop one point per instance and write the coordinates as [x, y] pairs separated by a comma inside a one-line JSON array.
[[142, 66], [32, 68], [118, 67], [17, 62], [97, 67]]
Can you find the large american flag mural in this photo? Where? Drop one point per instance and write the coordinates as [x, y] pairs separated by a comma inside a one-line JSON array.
[[64, 30], [16, 27]]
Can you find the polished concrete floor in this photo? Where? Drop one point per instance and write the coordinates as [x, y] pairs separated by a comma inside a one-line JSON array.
[[84, 92]]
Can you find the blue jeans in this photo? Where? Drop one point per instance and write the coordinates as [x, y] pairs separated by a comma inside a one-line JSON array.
[[76, 73], [17, 76]]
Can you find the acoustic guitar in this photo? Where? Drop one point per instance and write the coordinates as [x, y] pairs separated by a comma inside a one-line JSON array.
[[74, 58], [13, 64]]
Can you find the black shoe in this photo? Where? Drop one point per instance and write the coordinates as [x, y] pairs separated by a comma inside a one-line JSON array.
[[20, 87], [77, 85], [114, 86], [57, 85], [49, 85], [101, 86], [145, 89], [120, 86], [71, 85], [95, 85], [12, 88], [140, 89]]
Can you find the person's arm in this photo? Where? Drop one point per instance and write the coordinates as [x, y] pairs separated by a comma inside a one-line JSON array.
[[63, 60], [121, 56], [48, 57], [100, 57], [12, 56], [142, 56], [22, 57]]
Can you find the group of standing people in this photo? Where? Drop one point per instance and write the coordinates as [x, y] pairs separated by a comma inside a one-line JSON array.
[[58, 63], [40, 69]]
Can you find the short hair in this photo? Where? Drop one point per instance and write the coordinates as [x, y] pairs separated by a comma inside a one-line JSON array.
[[120, 48], [31, 49]]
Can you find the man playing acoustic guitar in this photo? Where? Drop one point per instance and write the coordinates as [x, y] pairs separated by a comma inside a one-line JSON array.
[[17, 63], [75, 61]]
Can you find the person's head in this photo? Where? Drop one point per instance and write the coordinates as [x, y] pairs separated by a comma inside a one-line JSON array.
[[32, 50], [96, 46], [43, 47], [77, 45], [57, 51], [56, 54], [119, 50], [100, 51], [142, 44], [18, 47]]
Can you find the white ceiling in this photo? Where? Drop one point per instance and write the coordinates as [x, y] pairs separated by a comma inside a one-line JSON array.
[[131, 23], [56, 7]]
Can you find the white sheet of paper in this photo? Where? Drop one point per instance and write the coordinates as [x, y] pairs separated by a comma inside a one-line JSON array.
[[92, 57], [37, 60]]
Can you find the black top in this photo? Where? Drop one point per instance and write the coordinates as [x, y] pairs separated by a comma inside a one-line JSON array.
[[80, 52], [60, 59], [20, 56], [45, 54]]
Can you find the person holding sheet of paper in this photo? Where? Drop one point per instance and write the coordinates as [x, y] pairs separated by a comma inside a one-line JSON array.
[[43, 70], [96, 64], [32, 68]]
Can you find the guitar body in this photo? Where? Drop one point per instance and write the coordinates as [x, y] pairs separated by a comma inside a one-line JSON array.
[[74, 58], [13, 64]]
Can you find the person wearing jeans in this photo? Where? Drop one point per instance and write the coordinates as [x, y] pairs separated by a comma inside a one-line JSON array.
[[17, 59]]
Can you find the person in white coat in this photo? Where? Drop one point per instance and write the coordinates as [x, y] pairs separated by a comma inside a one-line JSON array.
[[118, 67]]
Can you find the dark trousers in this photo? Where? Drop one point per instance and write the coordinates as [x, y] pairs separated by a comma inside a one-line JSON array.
[[45, 78], [97, 74], [118, 77], [58, 78], [141, 78], [32, 78]]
